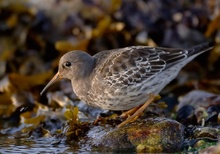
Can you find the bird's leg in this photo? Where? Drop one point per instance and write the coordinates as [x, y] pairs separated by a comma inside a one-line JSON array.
[[129, 112], [138, 110]]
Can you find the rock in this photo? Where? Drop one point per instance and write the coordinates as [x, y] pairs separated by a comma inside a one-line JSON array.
[[186, 115], [149, 135], [198, 98], [207, 133], [199, 107]]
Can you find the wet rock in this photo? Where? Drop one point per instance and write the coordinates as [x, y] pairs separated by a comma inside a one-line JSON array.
[[199, 107], [198, 98], [158, 135], [107, 137], [149, 135], [212, 119], [90, 110], [207, 133], [186, 115]]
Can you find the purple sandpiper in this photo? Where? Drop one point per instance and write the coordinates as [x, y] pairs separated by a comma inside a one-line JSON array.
[[125, 78]]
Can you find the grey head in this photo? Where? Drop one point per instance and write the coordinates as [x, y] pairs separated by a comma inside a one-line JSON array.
[[73, 65]]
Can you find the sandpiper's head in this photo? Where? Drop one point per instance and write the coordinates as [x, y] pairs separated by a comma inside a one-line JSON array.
[[73, 66]]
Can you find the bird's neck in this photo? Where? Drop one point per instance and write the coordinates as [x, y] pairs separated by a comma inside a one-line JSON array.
[[86, 68], [81, 87], [81, 84]]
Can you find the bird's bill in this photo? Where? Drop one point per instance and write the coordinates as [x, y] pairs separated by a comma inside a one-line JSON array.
[[55, 79]]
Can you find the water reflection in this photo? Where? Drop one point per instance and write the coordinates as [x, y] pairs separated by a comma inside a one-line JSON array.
[[42, 145]]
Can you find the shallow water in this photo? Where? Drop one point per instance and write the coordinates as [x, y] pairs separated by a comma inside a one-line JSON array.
[[41, 145]]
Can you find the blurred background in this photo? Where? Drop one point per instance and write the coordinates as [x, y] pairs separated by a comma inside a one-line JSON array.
[[34, 34]]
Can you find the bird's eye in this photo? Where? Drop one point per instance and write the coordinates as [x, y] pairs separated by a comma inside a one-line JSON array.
[[67, 64]]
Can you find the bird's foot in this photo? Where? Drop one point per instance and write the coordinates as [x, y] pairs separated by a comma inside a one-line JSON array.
[[97, 120], [129, 112], [137, 111]]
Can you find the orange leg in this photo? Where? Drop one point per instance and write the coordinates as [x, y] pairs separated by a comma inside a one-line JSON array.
[[129, 112], [137, 111]]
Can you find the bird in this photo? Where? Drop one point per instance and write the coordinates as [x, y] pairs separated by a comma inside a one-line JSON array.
[[124, 79]]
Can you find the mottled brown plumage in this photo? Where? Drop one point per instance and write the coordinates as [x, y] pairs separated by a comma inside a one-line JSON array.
[[122, 79]]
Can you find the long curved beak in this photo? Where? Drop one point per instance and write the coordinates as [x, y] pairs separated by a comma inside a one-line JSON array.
[[55, 79]]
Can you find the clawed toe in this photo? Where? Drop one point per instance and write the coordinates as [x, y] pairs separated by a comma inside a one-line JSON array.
[[137, 111]]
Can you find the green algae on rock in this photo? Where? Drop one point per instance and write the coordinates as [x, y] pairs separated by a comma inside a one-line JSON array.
[[149, 135]]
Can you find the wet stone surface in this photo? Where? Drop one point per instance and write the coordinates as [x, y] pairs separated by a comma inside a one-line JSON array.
[[33, 37], [149, 135]]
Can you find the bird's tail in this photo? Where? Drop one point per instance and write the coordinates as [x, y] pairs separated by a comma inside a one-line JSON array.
[[201, 48]]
